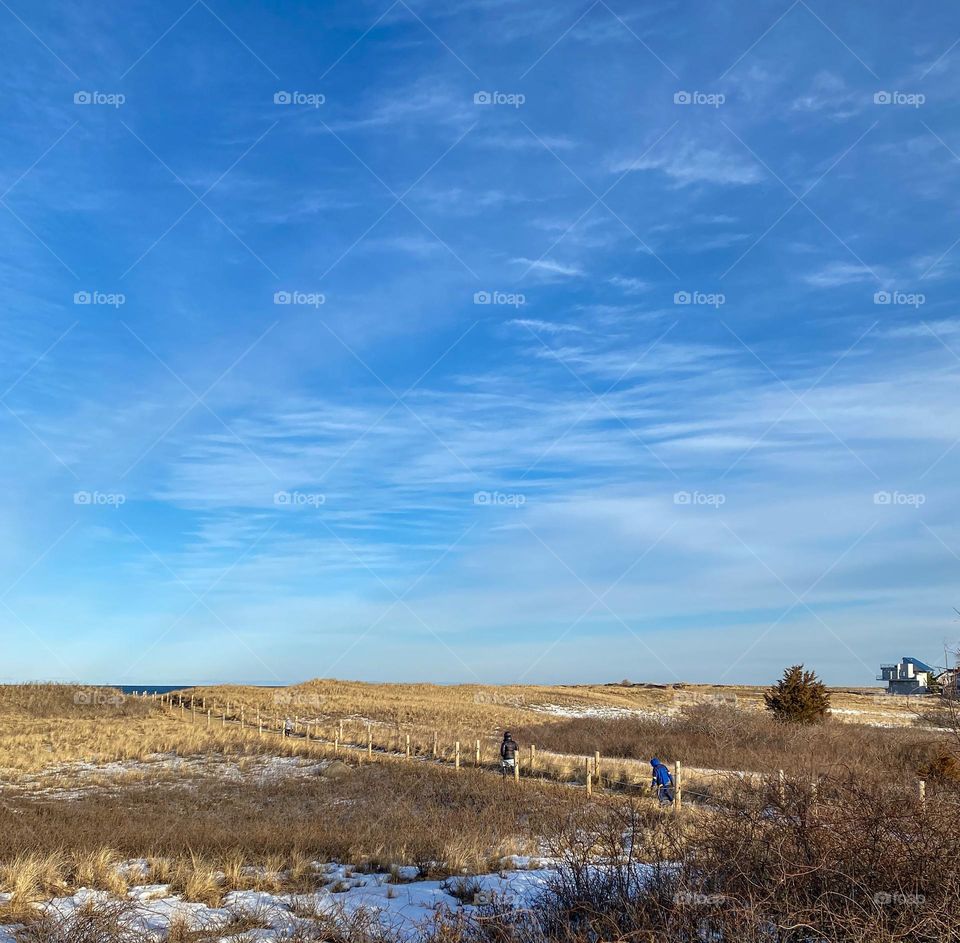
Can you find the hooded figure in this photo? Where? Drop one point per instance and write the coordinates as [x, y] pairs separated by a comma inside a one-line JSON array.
[[662, 781], [508, 753]]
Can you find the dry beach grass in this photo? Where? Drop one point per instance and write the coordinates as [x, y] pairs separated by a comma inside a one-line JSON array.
[[91, 780]]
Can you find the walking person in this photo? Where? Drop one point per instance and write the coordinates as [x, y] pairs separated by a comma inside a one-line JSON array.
[[287, 727], [662, 781], [508, 754]]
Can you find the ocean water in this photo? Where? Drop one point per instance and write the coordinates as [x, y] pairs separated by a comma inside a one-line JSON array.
[[149, 688], [167, 688]]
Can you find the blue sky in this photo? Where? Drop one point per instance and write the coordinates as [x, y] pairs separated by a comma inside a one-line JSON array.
[[478, 341]]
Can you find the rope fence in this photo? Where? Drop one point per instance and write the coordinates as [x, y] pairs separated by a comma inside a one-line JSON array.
[[367, 741]]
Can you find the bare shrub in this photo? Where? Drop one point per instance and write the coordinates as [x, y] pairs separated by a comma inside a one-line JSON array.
[[846, 863], [94, 922], [719, 736]]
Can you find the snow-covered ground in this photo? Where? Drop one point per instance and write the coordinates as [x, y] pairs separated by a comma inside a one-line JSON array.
[[73, 780], [402, 907], [568, 710]]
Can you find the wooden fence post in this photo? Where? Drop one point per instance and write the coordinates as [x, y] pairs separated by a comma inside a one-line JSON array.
[[781, 787], [208, 719], [477, 758], [922, 791], [456, 755], [516, 769], [587, 777], [408, 746], [340, 731], [223, 720], [336, 745], [677, 787], [435, 735], [533, 757], [369, 743], [596, 767]]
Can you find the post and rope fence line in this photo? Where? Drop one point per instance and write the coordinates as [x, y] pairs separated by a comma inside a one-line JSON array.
[[336, 738], [236, 714]]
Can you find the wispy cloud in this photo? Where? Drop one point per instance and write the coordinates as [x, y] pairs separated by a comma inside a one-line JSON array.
[[835, 274], [547, 327], [549, 267], [692, 162]]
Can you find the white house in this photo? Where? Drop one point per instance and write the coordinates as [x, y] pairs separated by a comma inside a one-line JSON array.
[[911, 676]]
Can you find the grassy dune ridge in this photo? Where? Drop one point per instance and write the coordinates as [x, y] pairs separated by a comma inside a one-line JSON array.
[[90, 780]]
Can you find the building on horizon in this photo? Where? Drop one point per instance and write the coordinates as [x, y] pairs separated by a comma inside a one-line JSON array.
[[910, 676]]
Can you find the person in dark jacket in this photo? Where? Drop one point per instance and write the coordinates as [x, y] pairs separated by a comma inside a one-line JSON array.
[[508, 753], [662, 781]]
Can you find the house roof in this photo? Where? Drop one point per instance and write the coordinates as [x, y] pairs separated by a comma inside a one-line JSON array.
[[917, 664]]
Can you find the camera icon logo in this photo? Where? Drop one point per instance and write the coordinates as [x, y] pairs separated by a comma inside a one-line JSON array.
[[282, 98], [482, 98], [482, 298], [681, 497], [82, 98], [82, 298], [682, 298], [882, 497], [282, 298], [681, 98], [481, 497], [882, 98], [281, 498], [882, 297], [82, 497]]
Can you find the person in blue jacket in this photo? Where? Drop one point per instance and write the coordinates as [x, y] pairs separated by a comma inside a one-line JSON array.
[[662, 781]]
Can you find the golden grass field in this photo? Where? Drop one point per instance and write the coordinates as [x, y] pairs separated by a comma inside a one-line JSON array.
[[89, 779], [52, 735], [45, 725]]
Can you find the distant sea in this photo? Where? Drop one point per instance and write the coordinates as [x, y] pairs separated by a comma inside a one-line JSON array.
[[166, 688], [149, 688]]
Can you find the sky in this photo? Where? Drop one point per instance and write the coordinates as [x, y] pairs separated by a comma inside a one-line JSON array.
[[478, 341]]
